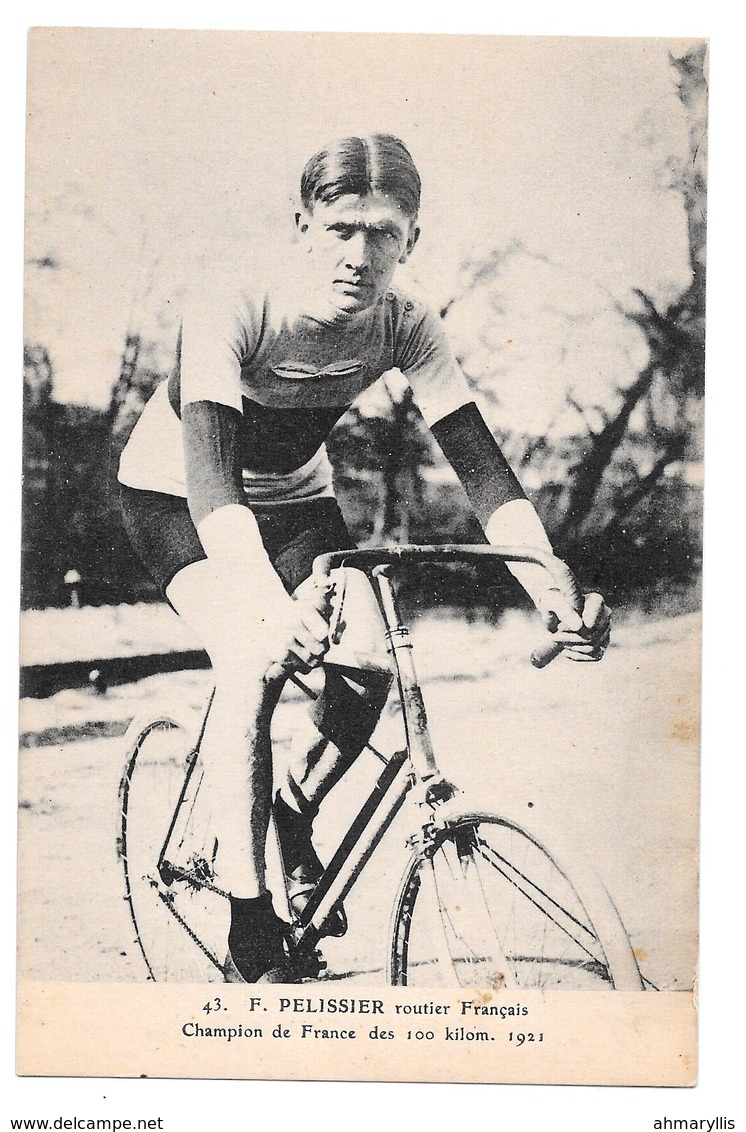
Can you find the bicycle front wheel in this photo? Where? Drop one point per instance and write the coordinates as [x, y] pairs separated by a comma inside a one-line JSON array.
[[168, 850], [483, 904]]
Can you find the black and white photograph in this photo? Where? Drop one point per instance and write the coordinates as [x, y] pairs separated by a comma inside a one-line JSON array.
[[361, 559]]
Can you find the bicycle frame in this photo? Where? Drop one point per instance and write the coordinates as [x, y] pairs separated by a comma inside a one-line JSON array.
[[415, 764], [534, 917]]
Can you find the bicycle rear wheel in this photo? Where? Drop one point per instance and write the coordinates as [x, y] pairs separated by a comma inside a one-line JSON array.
[[483, 904], [168, 853]]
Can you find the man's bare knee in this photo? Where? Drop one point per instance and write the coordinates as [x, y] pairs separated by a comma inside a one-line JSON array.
[[215, 614]]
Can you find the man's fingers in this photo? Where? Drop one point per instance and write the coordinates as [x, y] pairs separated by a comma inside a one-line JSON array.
[[589, 650], [309, 647], [594, 611], [558, 610], [300, 658], [593, 623], [583, 635], [300, 649], [563, 637], [598, 636], [315, 624], [551, 621], [311, 633]]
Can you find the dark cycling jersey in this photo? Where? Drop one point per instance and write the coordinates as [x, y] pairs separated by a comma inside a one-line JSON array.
[[258, 385]]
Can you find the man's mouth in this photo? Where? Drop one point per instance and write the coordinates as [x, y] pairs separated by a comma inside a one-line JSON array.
[[352, 284]]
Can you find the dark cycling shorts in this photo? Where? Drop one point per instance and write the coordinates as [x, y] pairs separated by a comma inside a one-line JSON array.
[[164, 537]]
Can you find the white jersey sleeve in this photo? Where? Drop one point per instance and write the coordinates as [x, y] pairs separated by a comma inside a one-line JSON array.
[[425, 357], [220, 327]]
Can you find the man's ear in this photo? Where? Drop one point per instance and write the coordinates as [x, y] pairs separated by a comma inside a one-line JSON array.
[[414, 236], [301, 222]]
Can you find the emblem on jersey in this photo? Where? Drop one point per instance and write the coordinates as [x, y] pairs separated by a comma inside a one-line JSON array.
[[299, 371]]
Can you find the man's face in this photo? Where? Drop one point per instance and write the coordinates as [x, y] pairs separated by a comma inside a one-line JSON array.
[[355, 244]]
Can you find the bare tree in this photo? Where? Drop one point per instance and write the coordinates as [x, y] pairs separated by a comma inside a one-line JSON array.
[[670, 386]]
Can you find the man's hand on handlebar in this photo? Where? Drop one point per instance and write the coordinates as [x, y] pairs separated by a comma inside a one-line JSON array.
[[300, 632], [583, 633], [579, 623]]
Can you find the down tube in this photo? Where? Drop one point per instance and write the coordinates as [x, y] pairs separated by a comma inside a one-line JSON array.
[[365, 833]]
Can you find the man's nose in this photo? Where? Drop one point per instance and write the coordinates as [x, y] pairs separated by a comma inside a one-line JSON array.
[[356, 252]]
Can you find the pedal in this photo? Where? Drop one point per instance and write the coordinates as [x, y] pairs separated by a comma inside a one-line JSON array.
[[308, 965], [313, 965]]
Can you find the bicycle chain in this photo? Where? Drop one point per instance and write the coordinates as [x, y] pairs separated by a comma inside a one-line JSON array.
[[164, 897], [192, 878], [314, 965]]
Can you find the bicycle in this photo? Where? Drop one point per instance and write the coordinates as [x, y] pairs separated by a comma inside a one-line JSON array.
[[482, 901]]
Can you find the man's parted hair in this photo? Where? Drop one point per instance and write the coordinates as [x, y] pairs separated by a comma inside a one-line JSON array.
[[377, 163]]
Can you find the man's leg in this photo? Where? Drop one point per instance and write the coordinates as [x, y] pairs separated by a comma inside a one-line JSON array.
[[237, 757], [357, 678]]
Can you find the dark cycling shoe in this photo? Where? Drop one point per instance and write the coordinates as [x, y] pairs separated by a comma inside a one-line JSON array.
[[302, 866], [256, 943]]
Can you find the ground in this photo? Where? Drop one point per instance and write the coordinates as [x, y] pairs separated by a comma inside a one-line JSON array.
[[604, 756]]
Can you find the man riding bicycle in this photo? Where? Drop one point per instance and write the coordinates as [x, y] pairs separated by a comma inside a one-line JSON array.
[[227, 497]]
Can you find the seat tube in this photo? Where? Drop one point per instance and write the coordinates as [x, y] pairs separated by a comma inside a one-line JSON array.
[[410, 694]]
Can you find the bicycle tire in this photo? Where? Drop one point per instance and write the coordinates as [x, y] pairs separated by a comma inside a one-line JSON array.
[[179, 915], [482, 903]]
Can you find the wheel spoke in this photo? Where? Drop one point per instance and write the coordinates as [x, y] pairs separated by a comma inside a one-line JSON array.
[[178, 908], [499, 911], [542, 901]]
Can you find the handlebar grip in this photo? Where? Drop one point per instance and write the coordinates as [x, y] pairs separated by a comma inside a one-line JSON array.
[[545, 654]]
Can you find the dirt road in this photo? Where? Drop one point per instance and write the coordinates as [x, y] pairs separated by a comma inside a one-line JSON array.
[[607, 754]]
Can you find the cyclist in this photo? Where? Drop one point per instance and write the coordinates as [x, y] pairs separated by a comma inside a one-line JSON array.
[[227, 497]]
